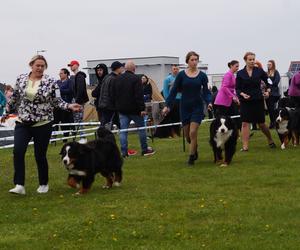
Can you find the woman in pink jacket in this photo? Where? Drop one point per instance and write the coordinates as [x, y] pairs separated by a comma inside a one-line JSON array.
[[226, 99]]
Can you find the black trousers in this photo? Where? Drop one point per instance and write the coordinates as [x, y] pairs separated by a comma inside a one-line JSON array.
[[271, 104], [41, 137], [63, 116]]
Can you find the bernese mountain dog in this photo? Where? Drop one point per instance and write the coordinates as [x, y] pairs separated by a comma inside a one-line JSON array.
[[84, 161], [287, 126], [223, 136]]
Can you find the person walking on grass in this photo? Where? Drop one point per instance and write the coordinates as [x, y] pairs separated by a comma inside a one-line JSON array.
[[35, 95], [129, 102], [249, 91], [193, 85]]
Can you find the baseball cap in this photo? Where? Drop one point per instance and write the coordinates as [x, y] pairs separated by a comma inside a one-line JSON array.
[[73, 63], [116, 65]]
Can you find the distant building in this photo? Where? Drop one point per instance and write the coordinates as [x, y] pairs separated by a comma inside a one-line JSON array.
[[156, 67]]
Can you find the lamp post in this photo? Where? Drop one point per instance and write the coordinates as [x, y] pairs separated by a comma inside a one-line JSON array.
[[40, 51]]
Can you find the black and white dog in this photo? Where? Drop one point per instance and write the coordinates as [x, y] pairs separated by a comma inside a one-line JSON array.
[[287, 126], [84, 161], [223, 136]]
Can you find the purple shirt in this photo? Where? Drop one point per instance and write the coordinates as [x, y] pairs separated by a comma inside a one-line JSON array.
[[227, 91], [294, 89]]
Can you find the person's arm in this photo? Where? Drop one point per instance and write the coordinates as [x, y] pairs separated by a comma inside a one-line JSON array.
[[166, 91], [226, 83], [96, 91], [58, 102], [81, 87], [276, 79], [176, 88], [139, 95], [238, 86], [205, 91], [150, 91], [264, 78]]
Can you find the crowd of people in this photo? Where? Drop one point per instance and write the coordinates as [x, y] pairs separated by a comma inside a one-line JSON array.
[[120, 97]]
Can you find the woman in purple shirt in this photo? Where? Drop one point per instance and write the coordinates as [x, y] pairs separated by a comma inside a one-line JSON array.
[[226, 97], [294, 89]]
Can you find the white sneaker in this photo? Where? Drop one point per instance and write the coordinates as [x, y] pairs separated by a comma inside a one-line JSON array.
[[42, 189], [83, 141], [18, 189]]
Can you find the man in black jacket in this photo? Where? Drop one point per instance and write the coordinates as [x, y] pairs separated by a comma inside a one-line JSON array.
[[80, 93], [129, 102], [106, 104]]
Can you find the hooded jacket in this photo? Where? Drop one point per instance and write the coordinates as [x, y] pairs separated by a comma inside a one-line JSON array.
[[97, 90], [106, 94], [80, 93]]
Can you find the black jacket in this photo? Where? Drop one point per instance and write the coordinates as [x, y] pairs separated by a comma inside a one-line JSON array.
[[97, 90], [79, 89], [251, 85], [128, 94], [147, 90], [275, 82], [106, 101]]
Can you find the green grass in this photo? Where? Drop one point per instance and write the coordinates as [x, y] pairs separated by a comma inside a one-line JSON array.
[[163, 204]]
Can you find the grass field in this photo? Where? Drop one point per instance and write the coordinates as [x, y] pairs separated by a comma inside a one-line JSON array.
[[163, 204]]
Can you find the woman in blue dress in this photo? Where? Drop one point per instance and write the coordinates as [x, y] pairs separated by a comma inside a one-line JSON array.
[[192, 83]]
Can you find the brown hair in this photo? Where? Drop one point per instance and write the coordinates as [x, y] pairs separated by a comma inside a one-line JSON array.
[[233, 62], [8, 88], [273, 64], [271, 72], [38, 57], [248, 54], [189, 55]]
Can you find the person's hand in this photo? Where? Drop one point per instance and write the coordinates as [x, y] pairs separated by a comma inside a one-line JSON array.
[[75, 107], [236, 100], [245, 96], [210, 107], [143, 113], [266, 94], [165, 111]]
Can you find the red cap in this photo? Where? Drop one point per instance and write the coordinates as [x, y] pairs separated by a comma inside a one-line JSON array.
[[73, 63]]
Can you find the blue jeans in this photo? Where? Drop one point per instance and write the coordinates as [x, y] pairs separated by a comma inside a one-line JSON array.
[[124, 123]]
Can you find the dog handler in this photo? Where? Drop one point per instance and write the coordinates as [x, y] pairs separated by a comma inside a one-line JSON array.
[[35, 96], [192, 83]]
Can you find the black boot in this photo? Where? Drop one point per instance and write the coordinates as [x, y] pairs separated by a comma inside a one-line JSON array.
[[191, 160]]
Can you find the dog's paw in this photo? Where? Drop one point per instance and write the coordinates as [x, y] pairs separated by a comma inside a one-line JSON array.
[[282, 146], [117, 184], [106, 187], [77, 194]]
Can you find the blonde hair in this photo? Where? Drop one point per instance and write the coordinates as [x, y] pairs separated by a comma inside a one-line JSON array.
[[38, 57], [248, 54]]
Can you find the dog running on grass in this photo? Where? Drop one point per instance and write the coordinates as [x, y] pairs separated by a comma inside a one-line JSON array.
[[223, 136], [84, 161]]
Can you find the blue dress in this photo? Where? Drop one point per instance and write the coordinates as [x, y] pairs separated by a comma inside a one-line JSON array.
[[193, 91]]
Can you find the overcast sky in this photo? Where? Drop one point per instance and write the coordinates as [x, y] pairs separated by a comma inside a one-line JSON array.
[[219, 30]]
